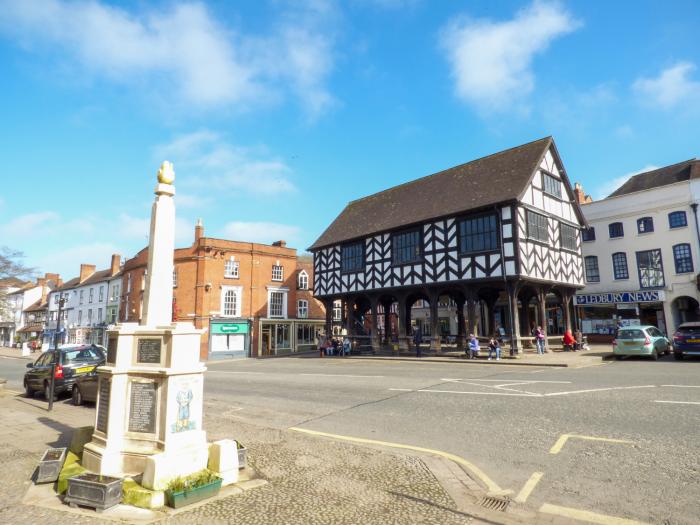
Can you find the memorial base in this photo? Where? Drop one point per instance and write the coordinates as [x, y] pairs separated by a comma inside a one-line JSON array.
[[160, 469]]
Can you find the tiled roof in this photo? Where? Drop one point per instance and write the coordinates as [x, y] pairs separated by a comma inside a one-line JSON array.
[[36, 307], [483, 182], [680, 172]]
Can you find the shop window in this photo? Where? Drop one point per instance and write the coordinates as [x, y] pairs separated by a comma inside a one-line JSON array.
[[645, 225], [552, 186], [406, 247], [537, 226], [592, 272], [682, 258], [302, 309], [620, 265], [677, 219], [567, 237], [303, 280], [588, 234], [616, 230], [651, 269], [478, 234]]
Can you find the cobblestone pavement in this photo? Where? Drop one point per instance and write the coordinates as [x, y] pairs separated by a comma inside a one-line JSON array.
[[310, 480]]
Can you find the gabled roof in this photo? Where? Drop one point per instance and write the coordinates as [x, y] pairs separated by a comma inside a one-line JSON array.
[[75, 281], [97, 277], [37, 306], [680, 172], [483, 182]]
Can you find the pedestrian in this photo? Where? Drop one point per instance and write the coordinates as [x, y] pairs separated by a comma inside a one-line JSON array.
[[539, 340], [473, 346], [321, 345], [334, 347], [328, 346], [346, 346], [494, 346], [579, 339], [417, 340], [568, 341]]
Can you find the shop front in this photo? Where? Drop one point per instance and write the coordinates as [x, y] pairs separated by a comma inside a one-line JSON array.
[[601, 313], [229, 338], [289, 336]]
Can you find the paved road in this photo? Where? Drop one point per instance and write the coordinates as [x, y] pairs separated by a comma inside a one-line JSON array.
[[505, 420], [509, 421], [13, 369]]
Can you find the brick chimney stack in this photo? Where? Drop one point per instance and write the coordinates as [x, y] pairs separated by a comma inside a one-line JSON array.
[[116, 263], [580, 196], [86, 270], [198, 230], [280, 244]]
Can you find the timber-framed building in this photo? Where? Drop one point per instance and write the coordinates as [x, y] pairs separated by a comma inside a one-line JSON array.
[[498, 237]]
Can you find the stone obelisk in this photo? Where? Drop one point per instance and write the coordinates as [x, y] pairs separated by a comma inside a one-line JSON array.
[[149, 406]]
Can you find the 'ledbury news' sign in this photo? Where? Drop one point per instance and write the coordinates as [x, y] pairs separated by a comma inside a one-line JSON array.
[[651, 296]]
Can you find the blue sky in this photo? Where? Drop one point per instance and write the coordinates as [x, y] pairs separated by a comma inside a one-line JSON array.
[[277, 113]]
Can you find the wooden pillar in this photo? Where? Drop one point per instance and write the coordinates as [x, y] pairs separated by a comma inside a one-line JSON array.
[[374, 338], [460, 325], [386, 305], [513, 289], [542, 310], [434, 323], [403, 329], [472, 302], [490, 298], [328, 305], [566, 308]]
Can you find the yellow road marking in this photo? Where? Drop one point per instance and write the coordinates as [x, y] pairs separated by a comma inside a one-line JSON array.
[[490, 484], [528, 487], [588, 516], [565, 437]]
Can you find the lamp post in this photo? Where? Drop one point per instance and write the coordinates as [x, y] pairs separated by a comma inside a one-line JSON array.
[[56, 336]]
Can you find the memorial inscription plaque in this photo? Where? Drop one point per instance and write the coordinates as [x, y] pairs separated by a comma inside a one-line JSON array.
[[148, 351], [112, 349], [103, 405], [142, 408]]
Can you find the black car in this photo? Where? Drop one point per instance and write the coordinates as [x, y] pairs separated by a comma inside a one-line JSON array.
[[686, 340], [85, 388], [71, 363]]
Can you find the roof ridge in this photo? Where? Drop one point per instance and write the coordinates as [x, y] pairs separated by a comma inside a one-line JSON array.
[[548, 137], [664, 167]]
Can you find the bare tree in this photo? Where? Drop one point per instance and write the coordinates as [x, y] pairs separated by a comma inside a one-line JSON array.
[[11, 267]]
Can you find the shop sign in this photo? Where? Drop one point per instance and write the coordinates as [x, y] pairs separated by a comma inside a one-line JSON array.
[[229, 328], [651, 296]]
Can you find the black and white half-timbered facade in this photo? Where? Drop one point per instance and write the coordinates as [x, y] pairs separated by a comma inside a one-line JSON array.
[[489, 237]]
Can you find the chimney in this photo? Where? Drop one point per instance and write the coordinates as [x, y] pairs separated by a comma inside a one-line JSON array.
[[86, 270], [198, 230], [580, 196], [116, 262], [52, 277], [44, 292], [280, 244]]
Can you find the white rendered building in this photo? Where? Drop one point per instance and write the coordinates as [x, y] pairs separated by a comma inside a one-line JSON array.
[[641, 253]]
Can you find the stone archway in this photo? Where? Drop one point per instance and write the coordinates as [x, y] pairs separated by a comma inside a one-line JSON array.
[[685, 309]]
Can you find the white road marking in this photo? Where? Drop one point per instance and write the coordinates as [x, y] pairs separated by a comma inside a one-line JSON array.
[[524, 381], [683, 386], [462, 392], [402, 389], [528, 487], [597, 390], [231, 372], [336, 375], [678, 402]]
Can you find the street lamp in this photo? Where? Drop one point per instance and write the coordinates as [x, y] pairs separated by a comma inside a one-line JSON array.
[[56, 335]]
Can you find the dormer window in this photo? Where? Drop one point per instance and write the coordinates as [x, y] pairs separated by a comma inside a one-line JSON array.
[[303, 280]]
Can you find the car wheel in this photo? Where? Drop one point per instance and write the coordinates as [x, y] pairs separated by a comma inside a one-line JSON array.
[[47, 391], [77, 396], [677, 356], [655, 355], [619, 357], [668, 350], [28, 392]]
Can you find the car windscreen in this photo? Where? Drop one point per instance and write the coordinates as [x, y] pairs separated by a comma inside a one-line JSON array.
[[631, 334], [79, 355], [689, 330]]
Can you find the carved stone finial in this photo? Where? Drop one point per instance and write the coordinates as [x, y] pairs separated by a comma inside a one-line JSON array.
[[166, 173]]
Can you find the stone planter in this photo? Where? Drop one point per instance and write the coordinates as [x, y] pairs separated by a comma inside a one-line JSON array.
[[92, 490], [190, 496], [50, 465], [242, 457]]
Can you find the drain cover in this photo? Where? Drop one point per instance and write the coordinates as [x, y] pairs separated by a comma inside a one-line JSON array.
[[492, 503]]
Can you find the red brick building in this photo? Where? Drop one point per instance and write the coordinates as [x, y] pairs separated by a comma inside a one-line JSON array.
[[251, 299]]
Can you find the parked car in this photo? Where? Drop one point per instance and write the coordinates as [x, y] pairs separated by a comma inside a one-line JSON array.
[[71, 362], [641, 340], [686, 340], [85, 388]]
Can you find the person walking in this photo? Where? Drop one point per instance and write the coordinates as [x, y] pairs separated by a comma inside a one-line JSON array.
[[568, 341], [473, 346], [346, 346], [321, 345], [494, 347], [579, 339], [539, 339], [417, 340]]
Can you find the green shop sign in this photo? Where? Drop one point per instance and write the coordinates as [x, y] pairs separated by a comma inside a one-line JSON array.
[[229, 328]]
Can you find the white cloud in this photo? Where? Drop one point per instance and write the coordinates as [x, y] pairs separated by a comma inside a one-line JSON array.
[[611, 185], [671, 88], [491, 61], [207, 160], [185, 50], [263, 232]]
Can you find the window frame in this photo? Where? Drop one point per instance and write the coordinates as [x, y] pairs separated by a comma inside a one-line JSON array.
[[280, 269], [639, 269], [610, 230], [545, 176], [528, 232], [302, 304], [586, 268], [394, 250], [303, 280], [237, 302], [677, 213], [495, 234], [562, 226], [233, 265], [677, 261], [270, 303], [586, 234], [616, 266], [642, 224], [361, 256]]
